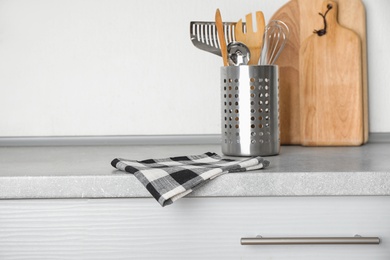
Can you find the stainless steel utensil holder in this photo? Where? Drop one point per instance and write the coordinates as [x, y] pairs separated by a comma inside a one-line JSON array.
[[250, 110]]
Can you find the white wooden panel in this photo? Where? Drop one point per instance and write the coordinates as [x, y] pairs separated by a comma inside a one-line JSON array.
[[193, 228]]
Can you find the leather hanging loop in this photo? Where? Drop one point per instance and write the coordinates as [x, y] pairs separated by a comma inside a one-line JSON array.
[[322, 32]]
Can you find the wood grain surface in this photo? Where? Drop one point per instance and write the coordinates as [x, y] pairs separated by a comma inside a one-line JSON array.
[[191, 229], [331, 88], [288, 63], [352, 15], [302, 18]]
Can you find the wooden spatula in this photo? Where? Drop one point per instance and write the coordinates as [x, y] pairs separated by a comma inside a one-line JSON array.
[[221, 37], [253, 40], [331, 85]]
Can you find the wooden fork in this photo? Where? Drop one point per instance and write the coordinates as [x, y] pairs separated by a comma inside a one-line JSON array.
[[253, 40]]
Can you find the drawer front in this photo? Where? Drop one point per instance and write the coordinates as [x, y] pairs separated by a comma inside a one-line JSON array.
[[192, 228]]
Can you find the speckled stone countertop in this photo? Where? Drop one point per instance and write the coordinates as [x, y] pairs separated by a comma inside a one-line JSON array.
[[85, 172]]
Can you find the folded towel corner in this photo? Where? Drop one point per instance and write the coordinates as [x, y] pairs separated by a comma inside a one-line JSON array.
[[169, 179]]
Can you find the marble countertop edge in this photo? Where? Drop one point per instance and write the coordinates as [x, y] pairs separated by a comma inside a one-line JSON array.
[[83, 171], [247, 184]]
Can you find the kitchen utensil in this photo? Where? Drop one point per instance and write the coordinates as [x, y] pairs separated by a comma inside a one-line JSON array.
[[351, 15], [204, 35], [250, 121], [254, 40], [238, 54], [221, 37], [288, 64], [331, 92], [302, 18], [275, 38]]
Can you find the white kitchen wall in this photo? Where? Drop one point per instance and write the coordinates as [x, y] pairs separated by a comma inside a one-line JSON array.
[[126, 67]]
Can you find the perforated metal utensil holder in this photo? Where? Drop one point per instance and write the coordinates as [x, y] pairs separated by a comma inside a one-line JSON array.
[[250, 110]]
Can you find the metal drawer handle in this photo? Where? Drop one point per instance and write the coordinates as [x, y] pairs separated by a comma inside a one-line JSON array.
[[356, 240]]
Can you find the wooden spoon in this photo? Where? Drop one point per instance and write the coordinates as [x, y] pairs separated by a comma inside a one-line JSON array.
[[254, 40]]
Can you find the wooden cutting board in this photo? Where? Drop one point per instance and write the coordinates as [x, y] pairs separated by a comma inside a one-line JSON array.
[[302, 18], [331, 109], [352, 15], [288, 63]]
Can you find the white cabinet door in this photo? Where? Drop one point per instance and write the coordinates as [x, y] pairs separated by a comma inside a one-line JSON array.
[[191, 228]]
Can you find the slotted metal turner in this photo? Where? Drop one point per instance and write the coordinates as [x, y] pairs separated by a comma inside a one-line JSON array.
[[204, 35]]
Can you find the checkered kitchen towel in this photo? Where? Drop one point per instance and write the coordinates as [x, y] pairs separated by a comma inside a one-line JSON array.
[[171, 178]]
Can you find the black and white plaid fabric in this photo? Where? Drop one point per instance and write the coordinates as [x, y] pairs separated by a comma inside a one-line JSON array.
[[172, 178]]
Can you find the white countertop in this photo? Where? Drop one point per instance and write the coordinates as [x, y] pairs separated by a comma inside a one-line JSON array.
[[85, 172]]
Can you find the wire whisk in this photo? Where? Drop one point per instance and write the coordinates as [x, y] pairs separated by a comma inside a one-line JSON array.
[[275, 38]]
